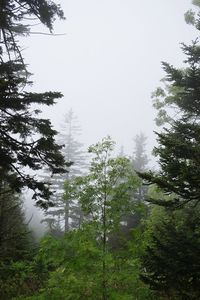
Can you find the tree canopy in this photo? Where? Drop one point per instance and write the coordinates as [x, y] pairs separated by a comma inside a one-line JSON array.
[[171, 260], [14, 18], [178, 145], [27, 141]]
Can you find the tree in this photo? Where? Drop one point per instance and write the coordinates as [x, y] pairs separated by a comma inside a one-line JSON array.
[[72, 150], [14, 235], [83, 264], [139, 162], [191, 17], [13, 15], [178, 144], [66, 211], [26, 140], [140, 159], [75, 269], [105, 194], [171, 261], [171, 264], [16, 246]]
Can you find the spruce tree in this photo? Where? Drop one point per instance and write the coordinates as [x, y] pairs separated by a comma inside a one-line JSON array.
[[178, 145], [14, 234], [27, 141], [171, 262], [140, 162], [66, 213], [140, 159]]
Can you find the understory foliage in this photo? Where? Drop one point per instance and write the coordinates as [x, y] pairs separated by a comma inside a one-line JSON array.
[[77, 271], [85, 264], [16, 246], [170, 261], [14, 238]]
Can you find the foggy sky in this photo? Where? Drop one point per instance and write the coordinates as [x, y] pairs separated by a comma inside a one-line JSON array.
[[108, 63]]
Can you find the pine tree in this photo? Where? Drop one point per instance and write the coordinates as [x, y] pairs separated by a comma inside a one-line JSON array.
[[12, 25], [172, 261], [171, 264], [17, 247], [178, 145], [66, 213], [14, 234], [26, 140], [140, 159], [140, 162]]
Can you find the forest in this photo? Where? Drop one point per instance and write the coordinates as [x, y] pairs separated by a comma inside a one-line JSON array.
[[115, 228]]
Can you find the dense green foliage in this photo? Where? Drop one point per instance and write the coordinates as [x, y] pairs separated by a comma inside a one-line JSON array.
[[77, 272], [171, 261], [86, 263], [14, 241], [105, 196]]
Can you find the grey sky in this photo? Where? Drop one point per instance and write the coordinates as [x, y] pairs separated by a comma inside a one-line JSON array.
[[109, 62]]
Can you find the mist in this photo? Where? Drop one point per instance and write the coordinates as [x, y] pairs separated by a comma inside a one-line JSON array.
[[96, 200], [106, 58], [107, 63]]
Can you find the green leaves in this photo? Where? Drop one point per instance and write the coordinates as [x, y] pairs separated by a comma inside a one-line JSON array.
[[106, 191], [85, 263], [75, 265]]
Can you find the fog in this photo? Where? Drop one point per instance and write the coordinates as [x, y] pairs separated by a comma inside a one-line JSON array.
[[107, 62]]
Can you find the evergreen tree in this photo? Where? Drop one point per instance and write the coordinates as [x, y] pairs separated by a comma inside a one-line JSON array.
[[66, 212], [14, 235], [13, 15], [178, 144], [139, 161], [73, 149], [26, 140], [171, 264], [171, 261], [16, 244]]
